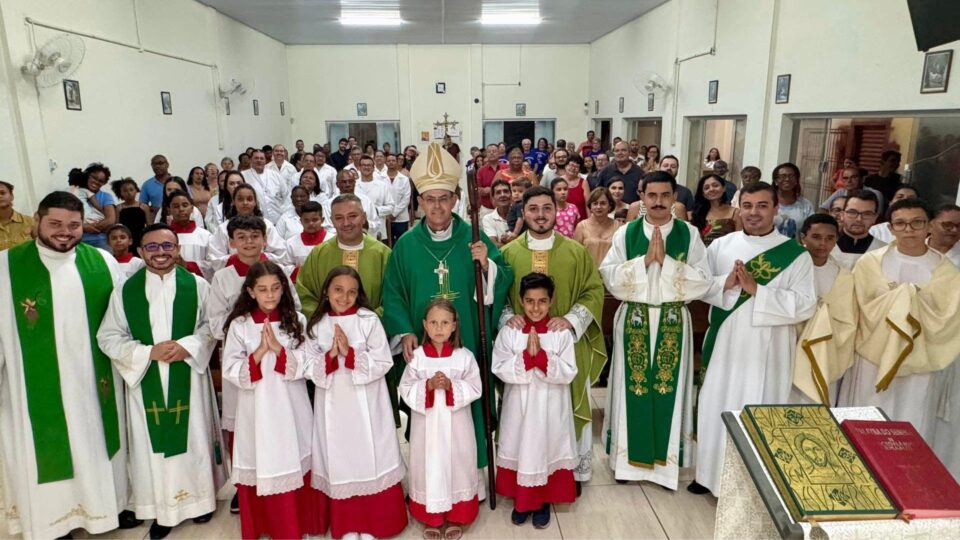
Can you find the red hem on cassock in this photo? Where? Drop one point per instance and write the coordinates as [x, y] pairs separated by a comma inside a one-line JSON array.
[[461, 513], [560, 488], [284, 515], [382, 514]]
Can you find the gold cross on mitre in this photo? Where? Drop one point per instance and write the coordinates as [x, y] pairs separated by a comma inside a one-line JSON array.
[[155, 411], [179, 408], [446, 125], [443, 283]]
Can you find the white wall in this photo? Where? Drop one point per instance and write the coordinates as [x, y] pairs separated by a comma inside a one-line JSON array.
[[844, 57], [397, 83], [121, 122]]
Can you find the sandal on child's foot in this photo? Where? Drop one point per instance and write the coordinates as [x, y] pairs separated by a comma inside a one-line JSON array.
[[519, 518], [541, 517], [453, 532], [432, 534]]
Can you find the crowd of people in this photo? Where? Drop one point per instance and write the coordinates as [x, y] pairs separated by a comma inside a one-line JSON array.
[[329, 294]]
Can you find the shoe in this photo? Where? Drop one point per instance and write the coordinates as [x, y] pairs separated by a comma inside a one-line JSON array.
[[235, 504], [158, 531], [621, 482], [128, 520], [697, 489], [541, 517], [68, 536], [519, 518], [204, 518], [579, 488]]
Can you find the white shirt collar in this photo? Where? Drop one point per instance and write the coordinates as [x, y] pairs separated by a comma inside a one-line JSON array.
[[345, 247], [440, 236], [544, 244]]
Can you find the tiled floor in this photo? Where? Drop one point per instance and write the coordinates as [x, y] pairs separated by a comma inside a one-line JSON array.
[[605, 510]]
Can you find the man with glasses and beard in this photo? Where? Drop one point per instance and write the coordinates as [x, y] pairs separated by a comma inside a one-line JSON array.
[[859, 214], [62, 413]]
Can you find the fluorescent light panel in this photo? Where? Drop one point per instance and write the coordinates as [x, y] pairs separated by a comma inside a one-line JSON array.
[[370, 18], [510, 13]]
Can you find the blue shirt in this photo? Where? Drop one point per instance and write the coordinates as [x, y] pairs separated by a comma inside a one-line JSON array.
[[105, 199], [537, 159], [151, 192]]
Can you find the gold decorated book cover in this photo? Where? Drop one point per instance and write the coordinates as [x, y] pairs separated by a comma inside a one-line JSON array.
[[819, 474]]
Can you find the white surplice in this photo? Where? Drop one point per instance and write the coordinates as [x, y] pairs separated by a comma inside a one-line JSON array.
[[130, 267], [946, 437], [289, 225], [752, 361], [219, 249], [910, 398], [272, 434], [195, 216], [168, 489], [225, 287], [287, 171], [98, 490], [273, 197], [328, 181], [536, 433], [630, 280], [193, 249], [381, 196], [298, 251], [400, 190], [355, 448], [443, 446]]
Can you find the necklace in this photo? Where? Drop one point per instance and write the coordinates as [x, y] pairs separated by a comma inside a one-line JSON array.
[[442, 271]]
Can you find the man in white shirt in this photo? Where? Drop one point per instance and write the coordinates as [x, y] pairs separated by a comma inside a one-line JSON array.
[[272, 194], [400, 190], [494, 223], [379, 193], [379, 165], [355, 154], [327, 175], [280, 165]]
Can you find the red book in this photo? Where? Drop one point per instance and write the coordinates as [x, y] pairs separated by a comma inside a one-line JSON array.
[[914, 478]]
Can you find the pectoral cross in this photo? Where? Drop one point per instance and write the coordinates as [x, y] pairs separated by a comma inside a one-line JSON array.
[[443, 284], [155, 411], [178, 409]]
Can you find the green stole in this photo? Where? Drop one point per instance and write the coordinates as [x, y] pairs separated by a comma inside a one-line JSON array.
[[33, 309], [167, 419], [764, 268], [650, 413]]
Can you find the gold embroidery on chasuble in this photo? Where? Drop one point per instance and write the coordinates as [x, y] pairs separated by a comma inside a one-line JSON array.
[[540, 261], [351, 258], [77, 511]]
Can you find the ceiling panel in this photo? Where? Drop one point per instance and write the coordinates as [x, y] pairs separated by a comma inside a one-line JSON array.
[[316, 22]]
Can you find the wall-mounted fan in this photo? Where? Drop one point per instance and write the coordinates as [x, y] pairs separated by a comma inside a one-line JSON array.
[[650, 82], [56, 60], [237, 87]]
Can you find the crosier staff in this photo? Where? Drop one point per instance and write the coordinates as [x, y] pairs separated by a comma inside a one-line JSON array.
[[483, 360]]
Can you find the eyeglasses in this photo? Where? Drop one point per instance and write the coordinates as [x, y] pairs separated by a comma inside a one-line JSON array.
[[949, 226], [434, 201], [916, 224], [157, 246], [853, 214]]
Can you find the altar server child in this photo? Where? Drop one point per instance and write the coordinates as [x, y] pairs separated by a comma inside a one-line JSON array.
[[194, 239], [244, 204], [119, 239], [248, 237], [272, 432], [537, 455], [313, 234], [439, 383], [356, 463]]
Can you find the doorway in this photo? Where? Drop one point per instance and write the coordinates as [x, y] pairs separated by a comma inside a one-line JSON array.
[[727, 135], [645, 131]]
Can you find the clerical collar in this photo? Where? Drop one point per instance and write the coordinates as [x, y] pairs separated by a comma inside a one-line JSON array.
[[345, 247], [125, 258], [241, 267], [259, 316], [540, 326], [849, 244], [184, 229], [541, 244], [312, 239], [772, 232], [445, 350], [440, 236], [351, 311]]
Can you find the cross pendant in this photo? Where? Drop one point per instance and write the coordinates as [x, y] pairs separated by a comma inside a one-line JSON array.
[[441, 273]]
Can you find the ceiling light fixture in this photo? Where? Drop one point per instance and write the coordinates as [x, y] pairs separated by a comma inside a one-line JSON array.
[[370, 18], [510, 19]]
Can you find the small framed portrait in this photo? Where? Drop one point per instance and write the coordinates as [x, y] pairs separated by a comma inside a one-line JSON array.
[[283, 110], [650, 101], [226, 105], [441, 88], [621, 105], [165, 103], [71, 94], [361, 109], [256, 107], [783, 88], [596, 106], [521, 109], [712, 89], [936, 72]]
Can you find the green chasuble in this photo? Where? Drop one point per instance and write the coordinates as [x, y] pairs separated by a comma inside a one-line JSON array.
[[411, 283], [327, 256], [577, 281]]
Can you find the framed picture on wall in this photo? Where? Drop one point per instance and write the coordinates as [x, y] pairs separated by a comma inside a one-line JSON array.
[[71, 94], [361, 109], [712, 90], [783, 88], [165, 103], [256, 107], [283, 111], [441, 88], [621, 105], [226, 105], [936, 72], [521, 109], [650, 98]]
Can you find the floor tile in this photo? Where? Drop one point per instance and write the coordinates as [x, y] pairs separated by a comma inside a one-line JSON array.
[[617, 511], [681, 513]]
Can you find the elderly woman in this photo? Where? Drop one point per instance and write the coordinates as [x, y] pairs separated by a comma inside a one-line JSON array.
[[596, 232]]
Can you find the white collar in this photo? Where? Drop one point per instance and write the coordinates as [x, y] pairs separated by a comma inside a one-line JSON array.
[[345, 247], [541, 244], [440, 236]]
